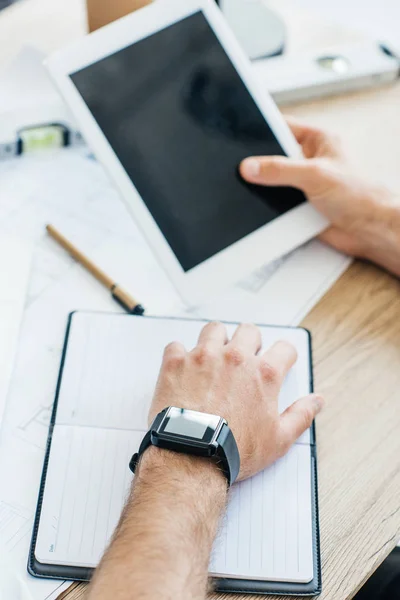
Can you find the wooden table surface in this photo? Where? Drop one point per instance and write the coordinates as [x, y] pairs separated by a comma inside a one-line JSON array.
[[355, 328], [356, 334], [356, 342]]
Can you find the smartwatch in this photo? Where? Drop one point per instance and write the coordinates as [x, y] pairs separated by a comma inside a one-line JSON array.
[[196, 433]]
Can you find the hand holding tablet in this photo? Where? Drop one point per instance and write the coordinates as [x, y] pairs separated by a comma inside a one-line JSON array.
[[166, 99]]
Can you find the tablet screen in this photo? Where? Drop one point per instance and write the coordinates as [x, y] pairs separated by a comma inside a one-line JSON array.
[[180, 119]]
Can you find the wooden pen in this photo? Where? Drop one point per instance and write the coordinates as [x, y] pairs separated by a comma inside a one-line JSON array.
[[127, 301]]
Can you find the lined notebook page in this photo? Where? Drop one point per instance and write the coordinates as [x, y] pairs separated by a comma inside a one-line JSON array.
[[110, 370], [113, 361]]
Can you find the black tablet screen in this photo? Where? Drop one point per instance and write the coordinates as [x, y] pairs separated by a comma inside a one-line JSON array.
[[180, 120]]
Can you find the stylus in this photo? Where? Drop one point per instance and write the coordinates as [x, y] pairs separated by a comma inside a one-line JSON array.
[[127, 301]]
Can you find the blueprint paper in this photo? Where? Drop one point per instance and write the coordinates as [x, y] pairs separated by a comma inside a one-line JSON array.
[[15, 263], [69, 189], [72, 191]]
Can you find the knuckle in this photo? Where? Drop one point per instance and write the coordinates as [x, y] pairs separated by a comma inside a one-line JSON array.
[[320, 135], [173, 348], [174, 355], [203, 355], [269, 373], [326, 141], [319, 173], [274, 167], [234, 356], [314, 168], [317, 134]]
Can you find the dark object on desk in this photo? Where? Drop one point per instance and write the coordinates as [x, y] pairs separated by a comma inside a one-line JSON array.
[[384, 584], [124, 299]]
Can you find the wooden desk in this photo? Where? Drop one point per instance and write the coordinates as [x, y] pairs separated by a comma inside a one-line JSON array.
[[356, 332], [356, 335]]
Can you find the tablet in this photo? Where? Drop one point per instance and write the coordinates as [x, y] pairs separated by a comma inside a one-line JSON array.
[[167, 100]]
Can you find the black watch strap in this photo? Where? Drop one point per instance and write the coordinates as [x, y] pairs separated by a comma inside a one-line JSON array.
[[227, 454], [146, 442]]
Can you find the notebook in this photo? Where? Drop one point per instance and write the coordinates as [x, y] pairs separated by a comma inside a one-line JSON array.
[[268, 540]]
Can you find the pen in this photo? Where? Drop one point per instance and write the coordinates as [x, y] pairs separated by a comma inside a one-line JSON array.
[[127, 301]]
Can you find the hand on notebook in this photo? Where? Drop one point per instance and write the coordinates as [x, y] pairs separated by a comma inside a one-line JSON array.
[[162, 546], [228, 378], [365, 219]]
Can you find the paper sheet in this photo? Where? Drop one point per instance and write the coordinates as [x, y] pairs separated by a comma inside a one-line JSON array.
[[74, 193], [28, 96], [110, 369], [15, 264]]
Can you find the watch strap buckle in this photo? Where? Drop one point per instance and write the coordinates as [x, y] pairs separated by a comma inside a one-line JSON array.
[[133, 462]]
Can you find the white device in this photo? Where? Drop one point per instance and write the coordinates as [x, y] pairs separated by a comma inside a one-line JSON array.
[[167, 100], [336, 70], [259, 30]]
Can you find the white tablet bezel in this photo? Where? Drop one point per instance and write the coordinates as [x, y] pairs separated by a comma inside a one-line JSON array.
[[244, 256]]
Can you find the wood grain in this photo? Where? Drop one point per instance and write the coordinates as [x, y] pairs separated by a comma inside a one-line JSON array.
[[356, 338], [356, 326]]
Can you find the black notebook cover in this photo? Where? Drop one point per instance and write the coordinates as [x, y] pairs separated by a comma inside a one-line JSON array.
[[247, 586]]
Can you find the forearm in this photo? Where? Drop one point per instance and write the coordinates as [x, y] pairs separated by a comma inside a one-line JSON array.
[[163, 543], [162, 546], [382, 237]]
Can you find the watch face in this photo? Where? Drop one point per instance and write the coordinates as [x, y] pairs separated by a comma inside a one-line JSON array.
[[190, 424]]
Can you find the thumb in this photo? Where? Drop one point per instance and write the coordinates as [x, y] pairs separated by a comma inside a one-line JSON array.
[[297, 418], [279, 170]]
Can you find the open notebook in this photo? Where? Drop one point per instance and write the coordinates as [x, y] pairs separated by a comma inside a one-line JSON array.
[[268, 541]]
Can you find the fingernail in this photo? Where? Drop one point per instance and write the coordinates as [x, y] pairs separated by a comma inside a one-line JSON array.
[[318, 403], [251, 167]]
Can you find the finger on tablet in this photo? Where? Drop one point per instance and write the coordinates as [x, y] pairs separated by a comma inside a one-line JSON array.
[[277, 361], [247, 337], [213, 333], [277, 170]]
